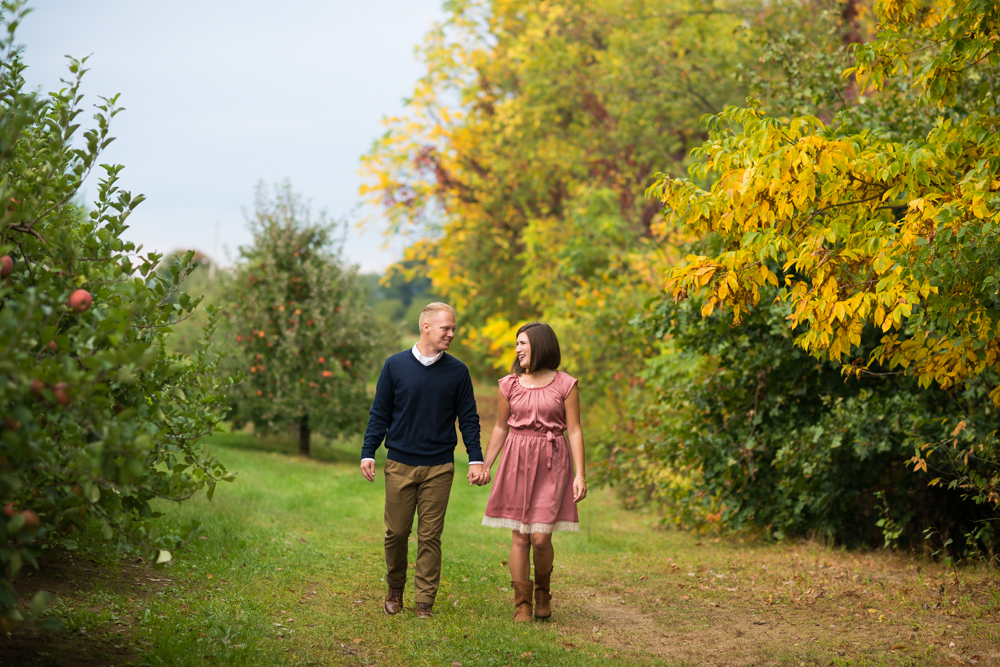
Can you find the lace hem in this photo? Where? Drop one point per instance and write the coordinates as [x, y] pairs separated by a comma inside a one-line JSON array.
[[524, 528]]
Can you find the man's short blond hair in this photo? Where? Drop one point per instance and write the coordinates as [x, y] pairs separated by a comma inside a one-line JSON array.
[[432, 308]]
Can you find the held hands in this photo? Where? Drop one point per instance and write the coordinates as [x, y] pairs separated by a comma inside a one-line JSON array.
[[478, 475]]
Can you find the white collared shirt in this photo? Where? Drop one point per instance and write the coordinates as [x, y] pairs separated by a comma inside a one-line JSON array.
[[428, 361]]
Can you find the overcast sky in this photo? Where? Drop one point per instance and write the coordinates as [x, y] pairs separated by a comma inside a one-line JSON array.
[[221, 94]]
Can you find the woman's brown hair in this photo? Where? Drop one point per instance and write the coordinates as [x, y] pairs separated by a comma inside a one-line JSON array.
[[544, 348]]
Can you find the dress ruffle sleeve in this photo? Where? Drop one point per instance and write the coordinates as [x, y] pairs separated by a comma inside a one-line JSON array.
[[568, 382], [507, 385]]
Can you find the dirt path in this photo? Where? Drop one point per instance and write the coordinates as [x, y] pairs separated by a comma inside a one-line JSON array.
[[107, 639], [714, 618]]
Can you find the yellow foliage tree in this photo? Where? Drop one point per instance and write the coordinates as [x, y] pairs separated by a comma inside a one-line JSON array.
[[522, 160], [866, 228]]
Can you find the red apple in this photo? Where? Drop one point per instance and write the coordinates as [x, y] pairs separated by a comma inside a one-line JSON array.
[[9, 510], [62, 395], [80, 300], [36, 388], [53, 346], [30, 519], [6, 266], [327, 374]]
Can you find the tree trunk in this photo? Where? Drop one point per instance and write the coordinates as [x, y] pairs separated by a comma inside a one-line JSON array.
[[304, 433]]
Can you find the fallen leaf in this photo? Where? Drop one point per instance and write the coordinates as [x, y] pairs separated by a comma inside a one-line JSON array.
[[357, 640], [897, 647], [526, 655], [209, 576], [686, 597]]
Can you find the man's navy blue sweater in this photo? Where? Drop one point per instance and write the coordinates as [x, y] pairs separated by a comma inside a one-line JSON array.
[[415, 409]]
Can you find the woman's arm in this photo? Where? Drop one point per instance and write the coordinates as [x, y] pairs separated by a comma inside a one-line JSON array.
[[574, 433], [497, 437]]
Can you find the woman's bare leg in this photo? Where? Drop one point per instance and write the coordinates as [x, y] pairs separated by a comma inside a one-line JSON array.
[[520, 551], [541, 544]]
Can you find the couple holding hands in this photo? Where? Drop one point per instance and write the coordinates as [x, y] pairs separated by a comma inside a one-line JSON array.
[[540, 479]]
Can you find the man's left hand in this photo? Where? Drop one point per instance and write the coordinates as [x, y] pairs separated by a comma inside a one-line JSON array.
[[475, 471]]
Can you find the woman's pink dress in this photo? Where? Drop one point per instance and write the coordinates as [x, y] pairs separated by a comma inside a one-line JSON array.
[[533, 489]]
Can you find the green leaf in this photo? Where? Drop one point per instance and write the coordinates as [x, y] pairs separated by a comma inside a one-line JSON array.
[[39, 602]]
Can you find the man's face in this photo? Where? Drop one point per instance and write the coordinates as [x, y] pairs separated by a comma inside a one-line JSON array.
[[439, 329]]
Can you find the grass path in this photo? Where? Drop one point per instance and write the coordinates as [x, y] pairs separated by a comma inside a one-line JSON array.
[[290, 570]]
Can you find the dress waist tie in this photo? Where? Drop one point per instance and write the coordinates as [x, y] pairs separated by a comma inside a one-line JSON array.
[[548, 435]]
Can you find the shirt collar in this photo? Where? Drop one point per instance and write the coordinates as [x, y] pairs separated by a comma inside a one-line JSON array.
[[426, 361]]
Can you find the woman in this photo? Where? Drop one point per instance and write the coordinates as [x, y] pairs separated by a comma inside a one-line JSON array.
[[541, 476]]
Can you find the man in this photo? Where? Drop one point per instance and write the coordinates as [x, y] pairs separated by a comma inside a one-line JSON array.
[[419, 394]]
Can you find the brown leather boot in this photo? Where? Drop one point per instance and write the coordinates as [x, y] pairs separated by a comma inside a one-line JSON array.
[[542, 595], [424, 610], [393, 601], [522, 600]]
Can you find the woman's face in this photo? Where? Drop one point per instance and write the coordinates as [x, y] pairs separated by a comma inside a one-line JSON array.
[[523, 349]]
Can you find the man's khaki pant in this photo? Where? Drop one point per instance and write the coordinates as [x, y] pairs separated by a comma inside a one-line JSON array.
[[425, 489]]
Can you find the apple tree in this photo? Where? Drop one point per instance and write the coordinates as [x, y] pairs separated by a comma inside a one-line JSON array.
[[97, 420], [300, 323]]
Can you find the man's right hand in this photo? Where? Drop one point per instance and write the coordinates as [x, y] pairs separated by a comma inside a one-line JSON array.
[[368, 470]]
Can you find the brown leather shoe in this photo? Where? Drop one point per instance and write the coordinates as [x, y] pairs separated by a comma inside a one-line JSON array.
[[393, 601], [424, 610]]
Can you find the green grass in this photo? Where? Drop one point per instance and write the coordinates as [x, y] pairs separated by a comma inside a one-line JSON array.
[[291, 571], [294, 539]]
